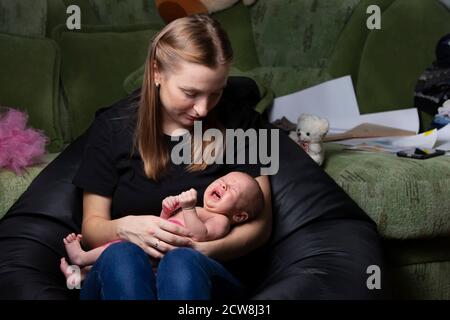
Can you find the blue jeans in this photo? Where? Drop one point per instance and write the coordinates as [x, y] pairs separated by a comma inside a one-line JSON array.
[[124, 272]]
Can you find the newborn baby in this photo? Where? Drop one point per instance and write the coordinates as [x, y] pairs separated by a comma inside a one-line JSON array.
[[231, 199]]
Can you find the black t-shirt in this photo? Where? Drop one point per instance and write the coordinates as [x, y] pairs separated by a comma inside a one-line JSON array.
[[108, 170]]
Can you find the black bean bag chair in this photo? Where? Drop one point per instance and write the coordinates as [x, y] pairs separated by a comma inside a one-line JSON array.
[[321, 245]]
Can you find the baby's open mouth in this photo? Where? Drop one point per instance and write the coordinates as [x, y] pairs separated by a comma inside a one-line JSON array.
[[216, 195]]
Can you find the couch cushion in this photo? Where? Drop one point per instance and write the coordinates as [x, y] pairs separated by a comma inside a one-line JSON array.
[[29, 80], [237, 22], [88, 14], [348, 49], [285, 80], [395, 56], [424, 281], [92, 77], [12, 185], [56, 15], [305, 30], [406, 252], [23, 17], [120, 12], [407, 198]]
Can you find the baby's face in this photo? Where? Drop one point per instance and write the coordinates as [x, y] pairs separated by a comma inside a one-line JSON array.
[[227, 195]]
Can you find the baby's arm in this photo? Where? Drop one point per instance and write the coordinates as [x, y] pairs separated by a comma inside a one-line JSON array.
[[170, 206], [187, 201]]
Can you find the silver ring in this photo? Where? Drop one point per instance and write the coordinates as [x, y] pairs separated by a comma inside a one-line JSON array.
[[155, 245]]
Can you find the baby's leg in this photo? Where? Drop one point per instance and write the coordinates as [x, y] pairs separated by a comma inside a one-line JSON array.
[[73, 278], [77, 255]]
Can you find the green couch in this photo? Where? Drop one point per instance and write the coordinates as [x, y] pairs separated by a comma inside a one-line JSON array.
[[61, 77]]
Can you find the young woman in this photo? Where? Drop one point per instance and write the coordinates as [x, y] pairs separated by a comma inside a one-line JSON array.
[[127, 171]]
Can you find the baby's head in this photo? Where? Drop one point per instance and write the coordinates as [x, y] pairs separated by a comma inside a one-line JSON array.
[[236, 195]]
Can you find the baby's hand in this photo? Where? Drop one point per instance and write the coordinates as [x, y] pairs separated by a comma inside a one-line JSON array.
[[188, 199], [169, 206]]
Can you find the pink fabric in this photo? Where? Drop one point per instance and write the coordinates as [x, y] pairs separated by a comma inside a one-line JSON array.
[[176, 221], [111, 242], [19, 146]]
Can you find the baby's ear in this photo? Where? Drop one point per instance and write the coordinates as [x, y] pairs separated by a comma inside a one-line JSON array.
[[240, 217]]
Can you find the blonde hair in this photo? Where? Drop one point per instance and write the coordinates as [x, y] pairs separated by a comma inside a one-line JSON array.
[[196, 39]]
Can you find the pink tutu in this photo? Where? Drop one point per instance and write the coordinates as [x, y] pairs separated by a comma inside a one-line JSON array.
[[19, 146]]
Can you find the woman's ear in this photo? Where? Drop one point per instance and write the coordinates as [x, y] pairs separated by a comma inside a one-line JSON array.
[[240, 217]]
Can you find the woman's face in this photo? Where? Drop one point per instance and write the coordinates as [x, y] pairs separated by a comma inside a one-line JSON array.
[[189, 93]]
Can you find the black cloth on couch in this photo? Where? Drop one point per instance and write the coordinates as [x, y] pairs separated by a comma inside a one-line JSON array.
[[321, 245]]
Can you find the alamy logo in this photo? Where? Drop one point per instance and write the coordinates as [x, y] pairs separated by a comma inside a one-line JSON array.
[[74, 20], [374, 280], [374, 21], [251, 146], [74, 277]]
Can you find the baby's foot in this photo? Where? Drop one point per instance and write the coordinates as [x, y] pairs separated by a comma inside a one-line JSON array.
[[74, 250], [72, 273]]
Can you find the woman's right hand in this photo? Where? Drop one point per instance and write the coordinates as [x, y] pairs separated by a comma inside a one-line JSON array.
[[154, 235]]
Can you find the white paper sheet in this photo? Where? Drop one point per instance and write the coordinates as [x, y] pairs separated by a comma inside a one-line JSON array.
[[444, 146], [405, 119], [433, 139], [424, 140], [444, 134], [334, 100], [384, 144]]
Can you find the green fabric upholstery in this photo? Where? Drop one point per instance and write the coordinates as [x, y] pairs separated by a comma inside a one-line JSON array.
[[12, 186], [29, 80], [406, 252], [121, 12], [419, 268], [236, 21], [23, 17], [134, 80], [349, 47], [88, 14], [422, 281], [96, 79], [395, 56], [298, 33], [56, 15], [265, 92], [407, 198], [285, 80]]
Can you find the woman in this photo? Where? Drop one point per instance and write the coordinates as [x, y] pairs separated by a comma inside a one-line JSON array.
[[126, 172]]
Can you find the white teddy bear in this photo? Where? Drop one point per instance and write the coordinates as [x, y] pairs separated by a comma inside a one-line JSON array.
[[309, 134], [445, 109]]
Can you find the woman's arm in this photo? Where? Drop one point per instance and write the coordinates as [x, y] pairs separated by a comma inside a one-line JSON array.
[[98, 228], [245, 237]]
